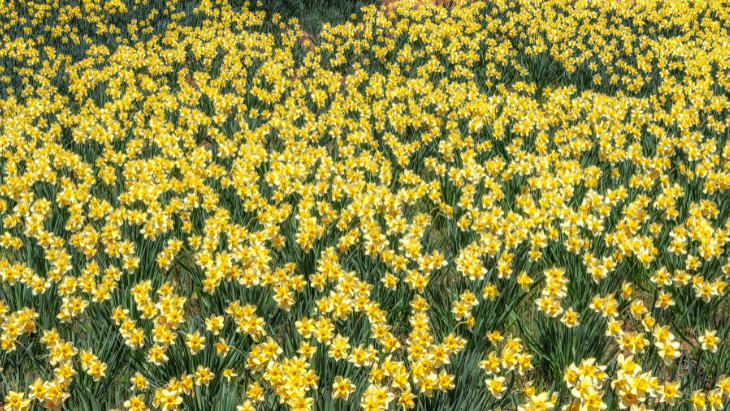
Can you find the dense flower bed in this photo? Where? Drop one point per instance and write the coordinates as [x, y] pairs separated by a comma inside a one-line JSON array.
[[515, 204]]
